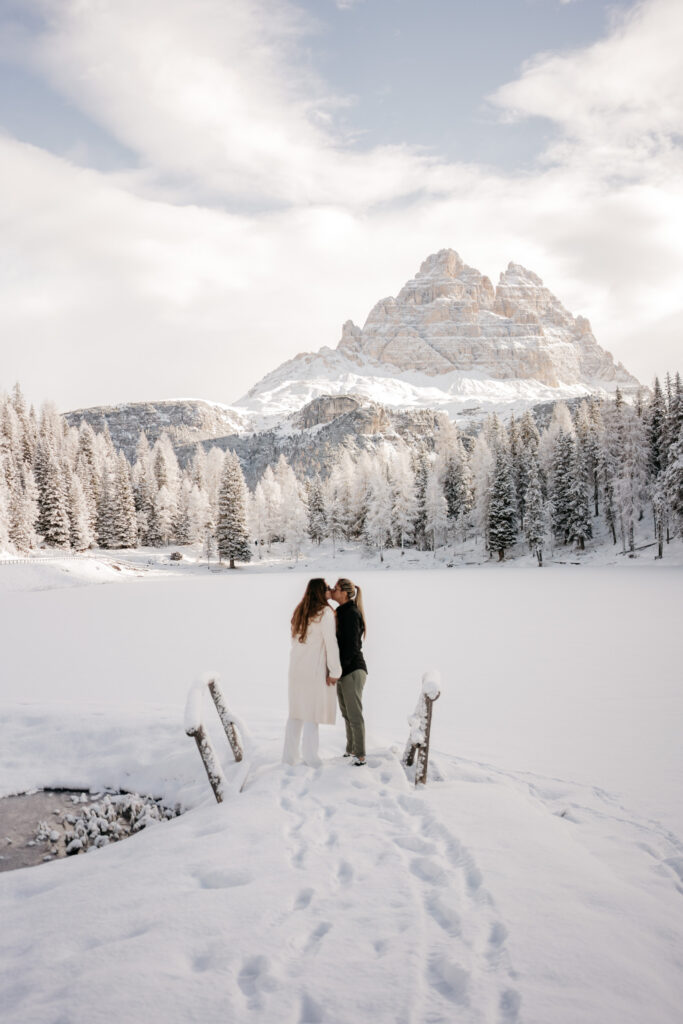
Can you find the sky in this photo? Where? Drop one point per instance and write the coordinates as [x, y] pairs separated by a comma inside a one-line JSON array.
[[191, 193]]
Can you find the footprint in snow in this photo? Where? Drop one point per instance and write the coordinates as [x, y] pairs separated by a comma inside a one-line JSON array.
[[317, 935], [254, 980], [304, 898], [429, 871], [311, 1012], [223, 878], [345, 872], [415, 844], [445, 915], [510, 1003], [450, 980]]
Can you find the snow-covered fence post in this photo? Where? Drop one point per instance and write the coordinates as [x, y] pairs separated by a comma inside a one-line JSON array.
[[194, 727], [226, 718], [417, 747]]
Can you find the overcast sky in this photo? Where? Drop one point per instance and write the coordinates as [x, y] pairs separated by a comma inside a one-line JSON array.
[[192, 191]]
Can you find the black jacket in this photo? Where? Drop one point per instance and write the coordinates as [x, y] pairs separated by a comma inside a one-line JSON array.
[[350, 637]]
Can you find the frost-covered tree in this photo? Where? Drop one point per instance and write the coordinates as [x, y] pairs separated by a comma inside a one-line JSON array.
[[502, 506], [257, 517], [482, 468], [81, 533], [273, 504], [436, 508], [378, 520], [561, 470], [4, 513], [23, 510], [294, 519], [54, 512], [458, 486], [535, 520], [578, 525], [160, 529], [657, 431], [422, 466], [673, 480], [404, 496], [125, 526], [317, 518], [232, 535]]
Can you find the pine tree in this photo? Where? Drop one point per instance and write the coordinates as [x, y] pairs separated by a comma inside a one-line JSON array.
[[273, 500], [578, 525], [457, 486], [656, 429], [561, 483], [482, 466], [535, 521], [23, 510], [317, 519], [404, 498], [378, 520], [502, 506], [231, 532], [4, 512], [674, 481], [105, 530], [125, 525], [436, 508], [54, 514], [81, 535], [422, 467]]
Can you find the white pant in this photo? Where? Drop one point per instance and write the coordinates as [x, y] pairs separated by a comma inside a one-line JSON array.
[[290, 754]]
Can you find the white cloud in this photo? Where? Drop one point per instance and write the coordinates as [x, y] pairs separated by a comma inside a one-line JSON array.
[[130, 286]]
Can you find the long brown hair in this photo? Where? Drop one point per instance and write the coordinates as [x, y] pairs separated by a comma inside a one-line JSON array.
[[309, 607], [354, 593]]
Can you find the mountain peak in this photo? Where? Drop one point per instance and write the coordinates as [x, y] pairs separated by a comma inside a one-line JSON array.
[[445, 262], [448, 339]]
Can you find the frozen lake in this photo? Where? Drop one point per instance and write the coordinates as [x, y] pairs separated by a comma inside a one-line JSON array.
[[569, 673], [537, 882]]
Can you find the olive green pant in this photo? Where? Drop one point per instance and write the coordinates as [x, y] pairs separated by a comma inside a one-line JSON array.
[[350, 695]]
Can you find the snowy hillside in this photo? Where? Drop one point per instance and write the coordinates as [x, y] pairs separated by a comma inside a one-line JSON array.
[[451, 341], [536, 879]]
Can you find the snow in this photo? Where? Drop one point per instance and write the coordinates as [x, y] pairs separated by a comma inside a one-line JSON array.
[[460, 394], [536, 878], [431, 683]]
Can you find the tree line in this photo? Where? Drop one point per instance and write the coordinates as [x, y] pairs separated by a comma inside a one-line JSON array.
[[606, 466]]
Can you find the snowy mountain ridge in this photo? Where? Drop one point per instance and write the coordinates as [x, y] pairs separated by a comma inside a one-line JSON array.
[[450, 341]]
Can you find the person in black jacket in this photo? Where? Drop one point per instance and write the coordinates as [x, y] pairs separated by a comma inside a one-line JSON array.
[[350, 633]]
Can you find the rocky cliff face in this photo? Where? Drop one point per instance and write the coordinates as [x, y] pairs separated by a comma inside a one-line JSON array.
[[183, 421], [450, 317]]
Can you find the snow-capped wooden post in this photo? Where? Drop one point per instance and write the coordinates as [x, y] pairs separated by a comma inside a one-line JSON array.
[[195, 727], [420, 722], [226, 718]]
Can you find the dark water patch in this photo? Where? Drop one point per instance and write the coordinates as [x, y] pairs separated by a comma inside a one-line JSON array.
[[53, 823]]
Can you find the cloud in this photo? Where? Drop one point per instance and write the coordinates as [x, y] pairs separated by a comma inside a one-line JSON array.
[[220, 96], [251, 230]]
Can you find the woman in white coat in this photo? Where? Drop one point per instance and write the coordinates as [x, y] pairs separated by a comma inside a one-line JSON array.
[[313, 660]]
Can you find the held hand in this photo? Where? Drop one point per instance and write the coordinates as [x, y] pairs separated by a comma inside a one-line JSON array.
[[330, 681]]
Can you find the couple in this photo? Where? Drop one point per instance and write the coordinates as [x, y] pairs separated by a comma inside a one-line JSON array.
[[326, 651]]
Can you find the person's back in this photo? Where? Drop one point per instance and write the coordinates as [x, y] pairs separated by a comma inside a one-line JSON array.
[[313, 668]]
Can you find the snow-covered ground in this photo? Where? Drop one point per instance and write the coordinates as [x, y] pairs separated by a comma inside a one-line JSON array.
[[538, 878]]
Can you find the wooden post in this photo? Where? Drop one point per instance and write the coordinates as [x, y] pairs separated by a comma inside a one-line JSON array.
[[417, 749], [226, 720], [211, 763]]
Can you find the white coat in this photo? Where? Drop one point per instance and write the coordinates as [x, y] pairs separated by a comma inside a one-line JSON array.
[[310, 698]]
